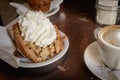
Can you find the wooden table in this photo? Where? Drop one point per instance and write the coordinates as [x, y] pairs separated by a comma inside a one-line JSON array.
[[77, 20]]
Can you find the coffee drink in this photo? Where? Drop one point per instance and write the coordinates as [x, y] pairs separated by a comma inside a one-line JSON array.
[[112, 36], [108, 40]]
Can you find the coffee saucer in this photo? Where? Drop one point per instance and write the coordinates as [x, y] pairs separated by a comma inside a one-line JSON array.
[[95, 64]]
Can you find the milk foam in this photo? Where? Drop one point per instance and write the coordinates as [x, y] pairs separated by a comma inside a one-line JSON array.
[[113, 37]]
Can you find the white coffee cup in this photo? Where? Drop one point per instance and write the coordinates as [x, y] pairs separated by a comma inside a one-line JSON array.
[[108, 39]]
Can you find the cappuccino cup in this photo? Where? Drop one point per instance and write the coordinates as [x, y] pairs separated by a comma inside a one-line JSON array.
[[108, 40]]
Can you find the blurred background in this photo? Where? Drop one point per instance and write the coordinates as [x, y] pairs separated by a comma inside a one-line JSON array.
[[8, 13]]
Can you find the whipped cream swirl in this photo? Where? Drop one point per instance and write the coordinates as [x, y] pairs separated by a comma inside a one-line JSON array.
[[37, 28]]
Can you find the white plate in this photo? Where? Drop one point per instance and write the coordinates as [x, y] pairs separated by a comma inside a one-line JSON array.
[[22, 8], [47, 62], [53, 11], [50, 12], [25, 64], [54, 7], [55, 3], [95, 64]]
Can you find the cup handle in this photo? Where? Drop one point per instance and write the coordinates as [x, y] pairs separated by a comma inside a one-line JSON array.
[[96, 32]]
